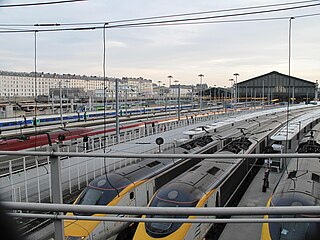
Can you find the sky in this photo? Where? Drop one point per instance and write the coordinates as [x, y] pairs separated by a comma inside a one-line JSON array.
[[216, 50]]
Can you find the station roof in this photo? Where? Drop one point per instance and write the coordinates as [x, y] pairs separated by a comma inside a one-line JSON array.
[[279, 74]]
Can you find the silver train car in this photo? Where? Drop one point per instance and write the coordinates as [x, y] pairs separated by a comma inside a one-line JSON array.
[[123, 187], [299, 186], [134, 185], [210, 183]]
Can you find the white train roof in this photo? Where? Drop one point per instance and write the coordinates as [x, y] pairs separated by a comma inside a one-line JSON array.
[[295, 126], [199, 131]]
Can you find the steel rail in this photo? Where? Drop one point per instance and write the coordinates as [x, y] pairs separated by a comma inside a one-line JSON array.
[[165, 220], [140, 155], [183, 211]]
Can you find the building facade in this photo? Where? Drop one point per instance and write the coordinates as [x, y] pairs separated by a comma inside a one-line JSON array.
[[21, 84]]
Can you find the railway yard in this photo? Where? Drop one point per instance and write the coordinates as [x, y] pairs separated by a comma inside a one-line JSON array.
[[162, 182]]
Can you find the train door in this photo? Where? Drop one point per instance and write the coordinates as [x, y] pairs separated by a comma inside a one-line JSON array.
[[202, 229], [140, 198]]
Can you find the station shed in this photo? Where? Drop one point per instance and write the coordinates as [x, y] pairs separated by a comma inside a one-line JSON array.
[[276, 87]]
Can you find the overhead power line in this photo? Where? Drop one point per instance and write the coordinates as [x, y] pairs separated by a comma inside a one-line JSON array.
[[162, 16], [176, 21], [39, 3], [219, 16]]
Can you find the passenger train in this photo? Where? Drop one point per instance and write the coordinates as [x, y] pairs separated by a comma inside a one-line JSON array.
[[55, 136], [134, 185], [299, 186], [123, 187], [210, 183], [23, 121], [62, 135]]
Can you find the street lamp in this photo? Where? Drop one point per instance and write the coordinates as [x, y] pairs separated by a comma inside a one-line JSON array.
[[233, 89], [164, 95], [117, 111], [67, 81], [178, 99], [237, 93], [170, 77], [159, 92], [61, 111], [200, 95]]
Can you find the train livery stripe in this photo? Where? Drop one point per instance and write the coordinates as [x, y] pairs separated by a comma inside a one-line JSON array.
[[82, 228], [265, 234]]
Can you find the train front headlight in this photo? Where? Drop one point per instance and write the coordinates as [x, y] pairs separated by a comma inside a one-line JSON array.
[[74, 238]]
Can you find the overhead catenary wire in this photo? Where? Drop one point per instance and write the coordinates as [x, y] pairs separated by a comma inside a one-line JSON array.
[[184, 20], [39, 3], [162, 16]]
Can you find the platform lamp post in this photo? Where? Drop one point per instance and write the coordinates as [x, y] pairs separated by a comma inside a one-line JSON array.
[[236, 91], [165, 97], [67, 81], [177, 99], [232, 99], [117, 111], [159, 82], [61, 111], [316, 93], [201, 89], [169, 77]]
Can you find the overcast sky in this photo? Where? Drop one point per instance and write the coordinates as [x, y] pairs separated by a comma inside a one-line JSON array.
[[215, 50]]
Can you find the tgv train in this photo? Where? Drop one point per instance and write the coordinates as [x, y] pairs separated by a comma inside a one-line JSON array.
[[210, 183], [42, 139], [19, 122], [299, 186], [134, 185], [123, 187], [63, 135]]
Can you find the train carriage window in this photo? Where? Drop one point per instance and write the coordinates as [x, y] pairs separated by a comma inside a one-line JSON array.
[[194, 168], [131, 195], [292, 174], [152, 164], [315, 177], [213, 170]]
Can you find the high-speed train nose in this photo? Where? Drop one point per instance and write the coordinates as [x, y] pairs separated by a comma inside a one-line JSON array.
[[76, 231]]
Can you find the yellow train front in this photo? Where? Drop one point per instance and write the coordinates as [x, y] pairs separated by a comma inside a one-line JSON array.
[[174, 195], [123, 187], [299, 186], [99, 192], [208, 184]]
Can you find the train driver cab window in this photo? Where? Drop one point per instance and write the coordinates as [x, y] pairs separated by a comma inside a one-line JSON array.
[[131, 195]]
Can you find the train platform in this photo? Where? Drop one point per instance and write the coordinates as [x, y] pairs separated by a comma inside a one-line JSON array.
[[253, 197]]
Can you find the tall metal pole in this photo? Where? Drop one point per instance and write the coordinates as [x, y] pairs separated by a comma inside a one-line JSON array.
[[192, 96], [55, 166], [159, 93], [316, 93], [170, 77], [179, 102], [236, 91], [201, 90], [176, 98], [60, 93], [233, 92], [117, 112]]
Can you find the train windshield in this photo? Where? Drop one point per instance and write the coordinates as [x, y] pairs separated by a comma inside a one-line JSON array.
[[102, 191], [173, 196], [293, 231]]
